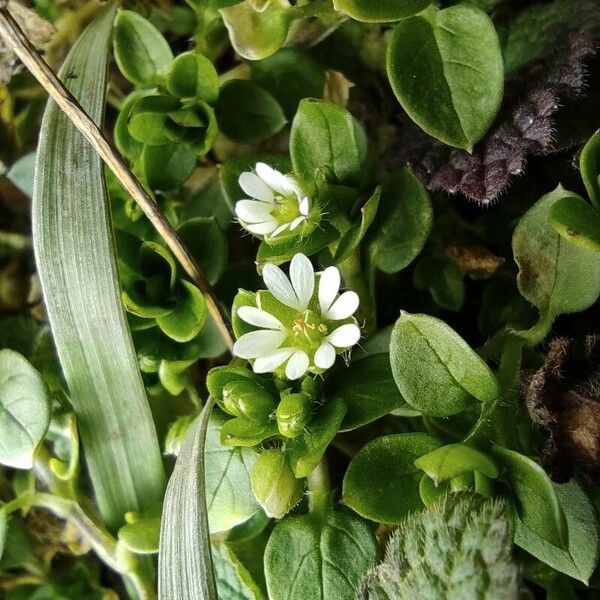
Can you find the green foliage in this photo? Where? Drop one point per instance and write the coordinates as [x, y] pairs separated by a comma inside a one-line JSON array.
[[580, 555], [537, 503], [142, 53], [438, 62], [382, 481], [327, 139], [554, 275], [323, 555], [259, 116], [458, 549], [434, 368], [383, 377], [363, 10], [403, 222], [24, 410]]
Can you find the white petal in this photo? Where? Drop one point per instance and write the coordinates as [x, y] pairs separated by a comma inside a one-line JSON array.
[[260, 228], [345, 306], [296, 222], [302, 276], [269, 362], [325, 355], [258, 343], [254, 186], [280, 229], [344, 336], [253, 211], [275, 180], [279, 285], [329, 285], [258, 317], [304, 206], [297, 365]]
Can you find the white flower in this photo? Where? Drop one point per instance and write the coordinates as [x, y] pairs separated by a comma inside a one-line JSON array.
[[311, 327], [279, 203]]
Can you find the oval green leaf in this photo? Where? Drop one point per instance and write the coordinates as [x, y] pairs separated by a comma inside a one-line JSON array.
[[577, 221], [319, 557], [248, 113], [142, 53], [24, 410], [382, 481], [554, 275], [446, 69], [435, 370], [326, 137], [403, 223], [537, 504]]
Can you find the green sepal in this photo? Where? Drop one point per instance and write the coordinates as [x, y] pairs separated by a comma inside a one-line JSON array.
[[243, 432], [274, 484]]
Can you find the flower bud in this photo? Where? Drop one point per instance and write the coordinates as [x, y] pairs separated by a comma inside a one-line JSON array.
[[293, 414], [248, 399]]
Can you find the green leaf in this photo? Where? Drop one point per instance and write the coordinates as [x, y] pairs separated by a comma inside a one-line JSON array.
[[192, 75], [380, 12], [77, 269], [274, 484], [368, 390], [257, 34], [353, 237], [208, 244], [589, 165], [537, 503], [443, 279], [125, 142], [457, 549], [290, 75], [445, 67], [577, 221], [142, 53], [448, 462], [186, 320], [326, 137], [403, 222], [305, 451], [554, 275], [229, 494], [24, 410], [248, 113], [320, 558], [168, 166], [141, 536], [233, 580], [184, 560], [21, 173], [435, 370], [382, 481], [580, 557]]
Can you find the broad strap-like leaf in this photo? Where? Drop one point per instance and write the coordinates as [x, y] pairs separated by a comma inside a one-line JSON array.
[[185, 570], [75, 257]]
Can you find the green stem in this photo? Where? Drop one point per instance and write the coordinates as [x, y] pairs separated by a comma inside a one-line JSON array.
[[319, 488], [353, 274]]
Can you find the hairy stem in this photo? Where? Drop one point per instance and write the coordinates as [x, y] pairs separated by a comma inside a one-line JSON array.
[[17, 41]]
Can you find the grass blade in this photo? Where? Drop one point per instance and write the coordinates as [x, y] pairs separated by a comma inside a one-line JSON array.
[[75, 257], [185, 562]]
